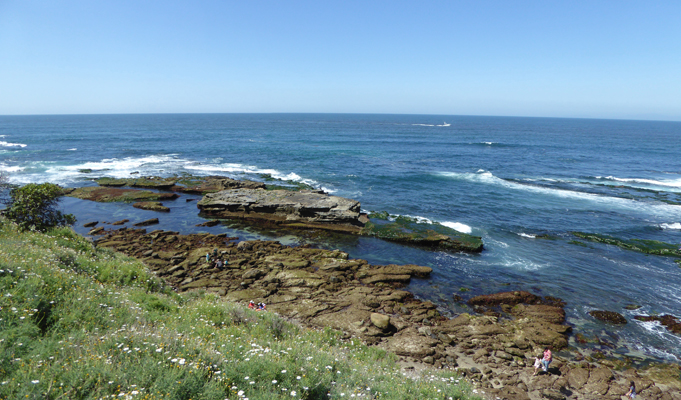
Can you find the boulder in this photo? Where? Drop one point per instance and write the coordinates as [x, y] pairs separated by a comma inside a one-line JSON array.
[[151, 206], [96, 231], [609, 316], [148, 222], [90, 224], [380, 321], [509, 298]]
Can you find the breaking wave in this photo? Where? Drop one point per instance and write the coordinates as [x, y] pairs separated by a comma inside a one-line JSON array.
[[458, 226], [675, 225], [7, 144], [157, 165], [487, 178], [674, 183]]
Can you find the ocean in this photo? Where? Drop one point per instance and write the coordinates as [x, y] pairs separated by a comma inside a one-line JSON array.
[[522, 184]]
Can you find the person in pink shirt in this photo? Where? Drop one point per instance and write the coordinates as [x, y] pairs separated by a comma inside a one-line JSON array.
[[548, 357]]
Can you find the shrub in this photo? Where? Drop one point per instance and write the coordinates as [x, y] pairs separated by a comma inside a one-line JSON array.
[[33, 207]]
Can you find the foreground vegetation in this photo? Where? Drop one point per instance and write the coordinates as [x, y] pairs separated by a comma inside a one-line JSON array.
[[78, 322]]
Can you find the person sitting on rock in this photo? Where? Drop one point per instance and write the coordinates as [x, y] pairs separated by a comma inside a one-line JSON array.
[[261, 307], [219, 264], [537, 364], [632, 390], [251, 304], [548, 357]]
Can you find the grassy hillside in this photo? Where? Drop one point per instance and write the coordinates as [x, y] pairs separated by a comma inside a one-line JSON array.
[[78, 322]]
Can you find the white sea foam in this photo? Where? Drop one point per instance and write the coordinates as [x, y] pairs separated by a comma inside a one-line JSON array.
[[418, 219], [250, 169], [654, 328], [458, 226], [423, 124], [122, 167], [487, 178], [7, 144], [73, 149], [327, 190], [675, 183], [527, 235], [161, 165], [522, 264], [6, 168], [675, 225]]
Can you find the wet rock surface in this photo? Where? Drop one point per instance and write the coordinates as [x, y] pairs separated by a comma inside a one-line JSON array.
[[671, 322], [609, 317], [151, 206], [273, 206], [327, 288], [408, 230], [185, 184], [110, 194]]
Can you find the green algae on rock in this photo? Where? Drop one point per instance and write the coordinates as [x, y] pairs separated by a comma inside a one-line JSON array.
[[212, 184], [609, 316], [109, 194], [151, 206], [153, 182], [409, 231], [654, 247], [185, 184]]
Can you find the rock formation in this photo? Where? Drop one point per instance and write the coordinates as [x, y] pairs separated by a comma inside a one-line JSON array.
[[326, 288], [304, 209]]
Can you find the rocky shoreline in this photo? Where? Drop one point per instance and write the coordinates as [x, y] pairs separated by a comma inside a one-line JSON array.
[[494, 347], [275, 206]]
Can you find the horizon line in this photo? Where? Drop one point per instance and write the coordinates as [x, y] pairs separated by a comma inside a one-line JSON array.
[[336, 113]]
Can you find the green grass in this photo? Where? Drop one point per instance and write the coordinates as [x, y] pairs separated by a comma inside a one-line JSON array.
[[78, 323]]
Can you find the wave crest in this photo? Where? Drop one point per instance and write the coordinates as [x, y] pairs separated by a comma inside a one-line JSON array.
[[8, 144]]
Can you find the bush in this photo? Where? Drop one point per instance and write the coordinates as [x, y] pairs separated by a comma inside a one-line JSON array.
[[33, 207]]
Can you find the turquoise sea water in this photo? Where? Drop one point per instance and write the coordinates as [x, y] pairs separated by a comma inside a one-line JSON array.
[[505, 179]]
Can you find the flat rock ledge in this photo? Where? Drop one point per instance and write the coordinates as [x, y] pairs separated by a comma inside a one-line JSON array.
[[111, 194], [308, 209], [325, 288], [303, 209], [184, 184]]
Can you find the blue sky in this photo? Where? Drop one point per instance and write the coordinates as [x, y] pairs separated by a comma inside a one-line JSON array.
[[593, 59]]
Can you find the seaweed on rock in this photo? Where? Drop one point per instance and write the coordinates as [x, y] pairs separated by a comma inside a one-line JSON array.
[[654, 247], [408, 230]]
